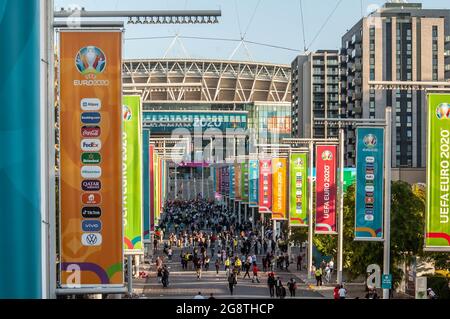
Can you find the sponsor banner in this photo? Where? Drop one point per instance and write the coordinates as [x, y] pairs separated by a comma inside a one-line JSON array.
[[298, 203], [279, 189], [437, 233], [253, 183], [244, 182], [91, 163], [232, 183], [132, 175], [326, 189], [265, 186], [237, 182], [369, 184]]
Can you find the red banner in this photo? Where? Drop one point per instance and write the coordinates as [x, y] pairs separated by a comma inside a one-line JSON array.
[[326, 189], [265, 186]]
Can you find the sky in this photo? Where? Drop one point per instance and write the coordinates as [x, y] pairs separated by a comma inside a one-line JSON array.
[[274, 22]]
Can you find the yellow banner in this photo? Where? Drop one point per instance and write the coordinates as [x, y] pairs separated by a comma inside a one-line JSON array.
[[279, 183]]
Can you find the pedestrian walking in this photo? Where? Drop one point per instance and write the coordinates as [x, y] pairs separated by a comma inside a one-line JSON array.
[[318, 274], [292, 286], [278, 285], [232, 282], [217, 265], [271, 283], [247, 270], [255, 273], [342, 292], [299, 262]]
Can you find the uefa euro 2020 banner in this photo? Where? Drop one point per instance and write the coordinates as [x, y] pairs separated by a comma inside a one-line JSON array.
[[369, 184], [298, 203], [279, 200], [253, 173], [265, 186], [437, 234], [244, 182], [91, 229], [132, 175], [326, 189], [238, 182], [232, 183]]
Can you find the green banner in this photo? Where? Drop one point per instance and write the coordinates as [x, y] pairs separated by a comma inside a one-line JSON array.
[[298, 203], [132, 174], [244, 182], [437, 236]]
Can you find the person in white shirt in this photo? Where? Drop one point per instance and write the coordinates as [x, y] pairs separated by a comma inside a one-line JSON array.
[[199, 296], [342, 292]]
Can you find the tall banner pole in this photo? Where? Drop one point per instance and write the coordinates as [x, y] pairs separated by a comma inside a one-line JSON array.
[[387, 199], [340, 250], [310, 210]]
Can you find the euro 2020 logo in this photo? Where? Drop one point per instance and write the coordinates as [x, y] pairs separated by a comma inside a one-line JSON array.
[[127, 115], [327, 156], [90, 61], [370, 141], [443, 111]]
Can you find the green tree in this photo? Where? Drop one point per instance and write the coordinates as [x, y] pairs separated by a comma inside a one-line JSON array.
[[407, 216]]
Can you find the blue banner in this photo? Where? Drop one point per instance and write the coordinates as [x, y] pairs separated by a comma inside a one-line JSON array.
[[20, 165], [253, 183], [232, 182], [369, 184]]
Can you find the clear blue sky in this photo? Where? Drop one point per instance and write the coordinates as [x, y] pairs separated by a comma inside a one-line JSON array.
[[276, 22]]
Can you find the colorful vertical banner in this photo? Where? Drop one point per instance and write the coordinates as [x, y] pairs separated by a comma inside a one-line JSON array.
[[132, 174], [244, 181], [232, 183], [279, 200], [91, 228], [253, 183], [237, 182], [437, 233], [265, 186], [227, 181], [326, 189], [146, 185], [21, 181], [298, 203], [152, 187], [369, 184]]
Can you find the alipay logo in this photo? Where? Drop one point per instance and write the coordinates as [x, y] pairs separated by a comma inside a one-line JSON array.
[[91, 104]]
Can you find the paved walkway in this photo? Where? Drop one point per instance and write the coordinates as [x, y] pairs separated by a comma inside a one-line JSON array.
[[184, 284]]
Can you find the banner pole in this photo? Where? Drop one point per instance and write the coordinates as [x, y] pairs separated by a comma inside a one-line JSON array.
[[340, 250], [310, 208], [130, 274], [387, 199]]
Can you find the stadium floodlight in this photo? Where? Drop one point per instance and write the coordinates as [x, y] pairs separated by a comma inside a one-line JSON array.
[[146, 17]]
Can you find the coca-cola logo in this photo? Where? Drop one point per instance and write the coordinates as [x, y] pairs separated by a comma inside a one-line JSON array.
[[90, 131]]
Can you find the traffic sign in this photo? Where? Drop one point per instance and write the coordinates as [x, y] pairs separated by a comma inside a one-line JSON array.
[[386, 281]]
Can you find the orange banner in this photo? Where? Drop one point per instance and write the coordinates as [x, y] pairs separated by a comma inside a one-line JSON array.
[[279, 184], [91, 231]]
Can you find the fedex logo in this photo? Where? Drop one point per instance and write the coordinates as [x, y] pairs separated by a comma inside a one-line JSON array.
[[91, 145]]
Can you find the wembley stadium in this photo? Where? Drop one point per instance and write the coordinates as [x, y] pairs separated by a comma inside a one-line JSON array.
[[180, 93]]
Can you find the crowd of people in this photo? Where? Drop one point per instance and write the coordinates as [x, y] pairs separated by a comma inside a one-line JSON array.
[[207, 235]]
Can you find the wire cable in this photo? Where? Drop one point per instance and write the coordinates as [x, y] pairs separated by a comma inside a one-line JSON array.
[[251, 20], [325, 23], [303, 26]]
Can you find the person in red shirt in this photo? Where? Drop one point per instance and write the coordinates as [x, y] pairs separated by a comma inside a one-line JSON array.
[[336, 292], [255, 273]]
